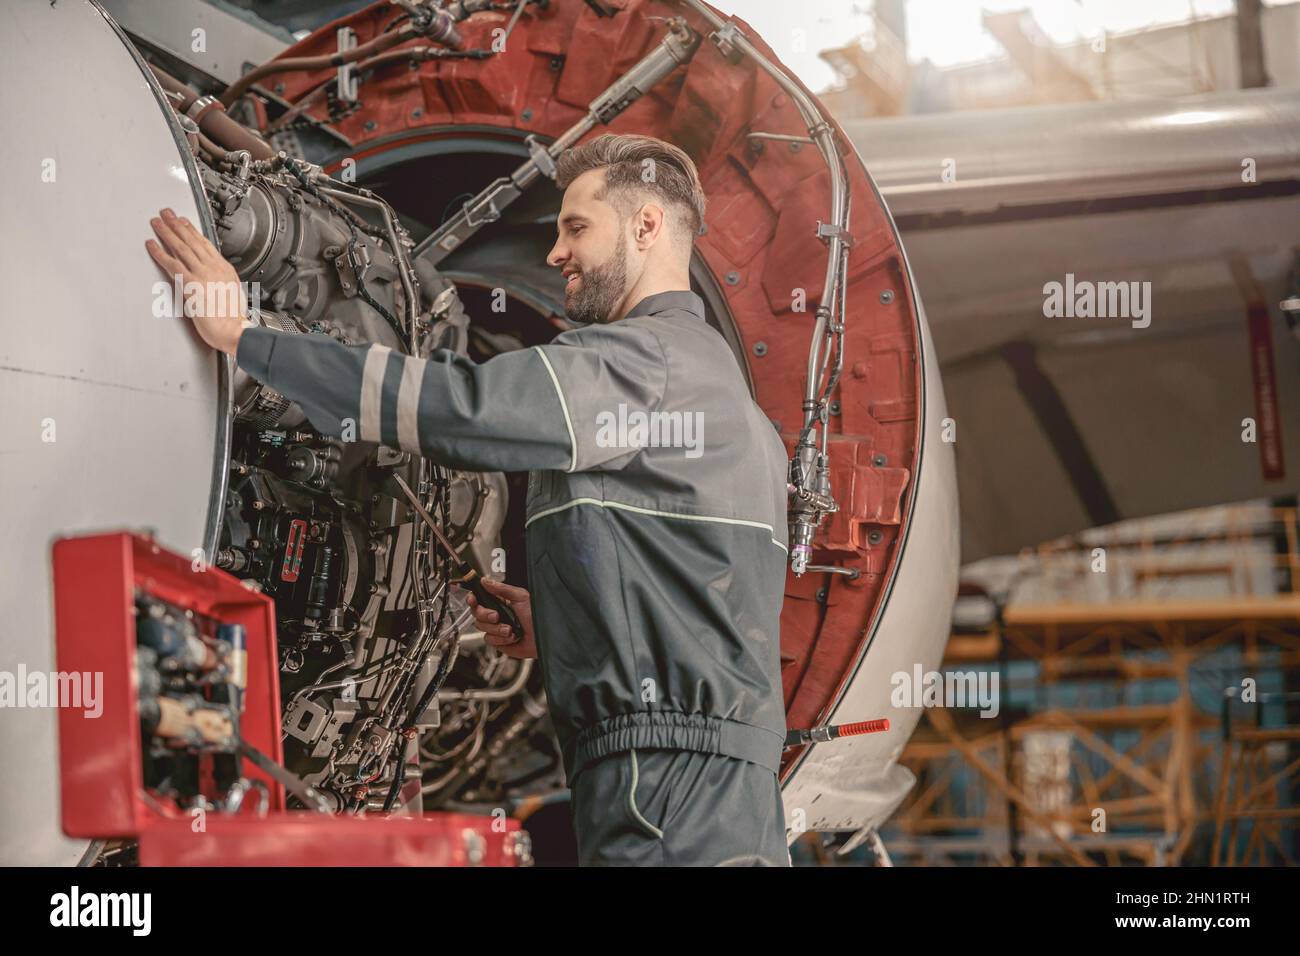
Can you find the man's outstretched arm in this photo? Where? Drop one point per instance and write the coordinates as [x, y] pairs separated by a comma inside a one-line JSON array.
[[530, 409], [501, 415]]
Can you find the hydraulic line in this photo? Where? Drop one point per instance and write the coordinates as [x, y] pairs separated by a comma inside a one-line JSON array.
[[438, 26], [811, 498]]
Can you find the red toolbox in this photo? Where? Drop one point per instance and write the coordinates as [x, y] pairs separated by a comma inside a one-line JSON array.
[[97, 579]]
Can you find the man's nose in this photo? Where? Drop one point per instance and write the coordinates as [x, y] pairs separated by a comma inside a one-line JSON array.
[[558, 255]]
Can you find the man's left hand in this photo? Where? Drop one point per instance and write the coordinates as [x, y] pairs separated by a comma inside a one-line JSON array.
[[218, 311]]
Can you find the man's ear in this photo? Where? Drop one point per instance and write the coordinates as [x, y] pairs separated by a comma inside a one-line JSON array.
[[647, 225]]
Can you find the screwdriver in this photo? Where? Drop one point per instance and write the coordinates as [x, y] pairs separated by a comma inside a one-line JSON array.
[[818, 735], [290, 781], [464, 573]]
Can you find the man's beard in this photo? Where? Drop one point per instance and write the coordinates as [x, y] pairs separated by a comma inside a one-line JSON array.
[[600, 290]]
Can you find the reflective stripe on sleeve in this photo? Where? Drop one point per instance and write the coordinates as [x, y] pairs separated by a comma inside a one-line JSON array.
[[372, 391], [564, 407], [408, 405]]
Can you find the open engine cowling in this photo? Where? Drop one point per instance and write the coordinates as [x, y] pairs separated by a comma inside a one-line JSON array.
[[218, 465]]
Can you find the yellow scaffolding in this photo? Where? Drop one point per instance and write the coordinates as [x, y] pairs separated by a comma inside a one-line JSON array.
[[1145, 803]]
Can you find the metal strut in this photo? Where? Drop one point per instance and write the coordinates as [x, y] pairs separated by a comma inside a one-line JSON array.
[[677, 48]]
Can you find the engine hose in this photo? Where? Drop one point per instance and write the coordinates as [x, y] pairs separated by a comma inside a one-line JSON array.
[[440, 569], [212, 118], [435, 683], [398, 775], [441, 29], [414, 54]]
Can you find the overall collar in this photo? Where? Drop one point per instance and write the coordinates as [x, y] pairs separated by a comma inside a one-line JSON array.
[[684, 300]]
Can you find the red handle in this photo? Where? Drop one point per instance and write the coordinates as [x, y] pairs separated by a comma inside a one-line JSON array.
[[864, 727]]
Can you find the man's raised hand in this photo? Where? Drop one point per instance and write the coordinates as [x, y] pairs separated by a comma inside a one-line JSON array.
[[210, 284]]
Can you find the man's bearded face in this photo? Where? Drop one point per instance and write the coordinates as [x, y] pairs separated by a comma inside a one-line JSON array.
[[591, 293]]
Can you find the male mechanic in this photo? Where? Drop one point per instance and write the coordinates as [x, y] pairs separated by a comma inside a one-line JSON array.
[[657, 565]]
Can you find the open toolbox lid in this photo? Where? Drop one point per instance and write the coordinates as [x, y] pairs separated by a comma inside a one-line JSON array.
[[96, 578]]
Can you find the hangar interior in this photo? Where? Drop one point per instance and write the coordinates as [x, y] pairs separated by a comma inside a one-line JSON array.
[[1017, 286]]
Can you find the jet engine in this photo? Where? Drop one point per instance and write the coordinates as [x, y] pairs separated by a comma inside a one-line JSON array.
[[385, 180]]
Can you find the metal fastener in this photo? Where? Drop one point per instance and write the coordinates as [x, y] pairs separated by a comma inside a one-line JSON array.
[[475, 848]]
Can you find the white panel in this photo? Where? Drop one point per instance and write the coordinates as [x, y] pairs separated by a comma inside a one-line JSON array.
[[134, 400], [231, 39]]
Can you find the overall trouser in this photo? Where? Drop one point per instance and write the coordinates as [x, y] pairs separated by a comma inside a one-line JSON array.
[[678, 808]]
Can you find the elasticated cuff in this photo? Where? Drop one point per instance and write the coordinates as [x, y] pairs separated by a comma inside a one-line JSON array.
[[254, 352]]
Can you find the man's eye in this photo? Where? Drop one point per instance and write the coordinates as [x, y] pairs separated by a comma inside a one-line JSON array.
[[575, 229]]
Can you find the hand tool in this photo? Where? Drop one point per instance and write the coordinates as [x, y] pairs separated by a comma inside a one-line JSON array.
[[464, 573]]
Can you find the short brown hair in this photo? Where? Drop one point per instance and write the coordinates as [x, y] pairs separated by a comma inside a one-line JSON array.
[[631, 163]]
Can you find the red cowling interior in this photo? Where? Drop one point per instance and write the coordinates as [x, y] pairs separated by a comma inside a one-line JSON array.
[[760, 243]]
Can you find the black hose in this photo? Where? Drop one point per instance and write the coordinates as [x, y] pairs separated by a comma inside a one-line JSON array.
[[399, 774], [441, 566]]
